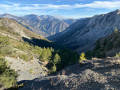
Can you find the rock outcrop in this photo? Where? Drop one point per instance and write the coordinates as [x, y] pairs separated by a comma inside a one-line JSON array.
[[90, 75]]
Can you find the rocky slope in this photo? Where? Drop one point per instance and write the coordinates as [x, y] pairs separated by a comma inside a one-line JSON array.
[[44, 25], [97, 74], [81, 35], [17, 53]]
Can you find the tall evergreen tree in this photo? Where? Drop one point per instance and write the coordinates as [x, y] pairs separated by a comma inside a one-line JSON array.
[[56, 59], [44, 55]]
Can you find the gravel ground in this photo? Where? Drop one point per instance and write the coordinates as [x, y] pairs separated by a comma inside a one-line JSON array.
[[27, 70], [90, 75]]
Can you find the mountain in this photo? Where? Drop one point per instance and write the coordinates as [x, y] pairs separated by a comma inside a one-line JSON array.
[[70, 21], [18, 59], [106, 47], [16, 51], [82, 34], [25, 55], [44, 25]]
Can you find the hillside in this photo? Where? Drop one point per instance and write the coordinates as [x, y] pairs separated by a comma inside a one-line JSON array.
[[82, 34], [16, 51], [28, 55], [44, 25], [100, 74], [108, 46]]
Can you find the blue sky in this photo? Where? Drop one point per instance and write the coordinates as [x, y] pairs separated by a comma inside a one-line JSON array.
[[66, 8]]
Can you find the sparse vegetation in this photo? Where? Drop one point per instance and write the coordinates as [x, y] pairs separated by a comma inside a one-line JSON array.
[[8, 77], [106, 45], [31, 71], [24, 57]]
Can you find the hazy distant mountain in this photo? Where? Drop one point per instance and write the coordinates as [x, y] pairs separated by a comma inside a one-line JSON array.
[[70, 21], [82, 34], [44, 25]]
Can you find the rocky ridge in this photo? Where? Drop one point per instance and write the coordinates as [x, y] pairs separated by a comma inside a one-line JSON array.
[[44, 25], [98, 74], [82, 34]]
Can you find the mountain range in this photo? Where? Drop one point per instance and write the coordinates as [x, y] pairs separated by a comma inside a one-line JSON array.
[[44, 25], [82, 34], [25, 55], [39, 63]]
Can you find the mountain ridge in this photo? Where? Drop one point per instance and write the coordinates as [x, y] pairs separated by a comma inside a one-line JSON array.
[[44, 25], [84, 35]]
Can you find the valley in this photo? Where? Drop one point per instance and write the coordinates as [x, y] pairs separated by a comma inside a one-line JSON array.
[[44, 52]]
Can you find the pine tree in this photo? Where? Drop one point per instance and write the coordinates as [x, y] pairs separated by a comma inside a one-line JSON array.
[[53, 69], [56, 59], [44, 55], [82, 57], [49, 54]]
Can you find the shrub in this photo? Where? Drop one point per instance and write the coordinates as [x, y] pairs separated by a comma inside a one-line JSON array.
[[56, 59], [117, 55], [116, 30], [8, 77], [82, 57], [31, 71], [53, 69], [24, 57]]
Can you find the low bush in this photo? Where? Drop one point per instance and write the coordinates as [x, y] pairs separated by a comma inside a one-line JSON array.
[[8, 77]]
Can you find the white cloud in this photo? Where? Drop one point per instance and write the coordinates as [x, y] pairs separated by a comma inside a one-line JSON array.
[[17, 7], [95, 4], [101, 4]]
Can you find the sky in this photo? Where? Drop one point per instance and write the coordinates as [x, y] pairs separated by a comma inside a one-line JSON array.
[[65, 8]]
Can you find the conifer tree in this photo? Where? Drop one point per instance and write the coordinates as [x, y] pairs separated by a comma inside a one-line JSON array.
[[43, 56], [56, 59], [53, 69], [49, 54]]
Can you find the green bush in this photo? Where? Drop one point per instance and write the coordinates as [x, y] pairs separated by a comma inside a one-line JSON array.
[[53, 69], [8, 77], [82, 57], [24, 57], [116, 30], [117, 55]]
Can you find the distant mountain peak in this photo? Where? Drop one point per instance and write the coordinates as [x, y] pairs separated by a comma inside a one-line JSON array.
[[118, 11]]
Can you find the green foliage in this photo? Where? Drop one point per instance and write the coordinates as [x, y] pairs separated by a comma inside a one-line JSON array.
[[98, 45], [4, 41], [100, 49], [82, 57], [8, 77], [117, 43], [88, 55], [56, 59], [53, 69], [117, 55], [31, 71], [109, 45], [116, 30], [68, 57], [24, 57], [45, 56]]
